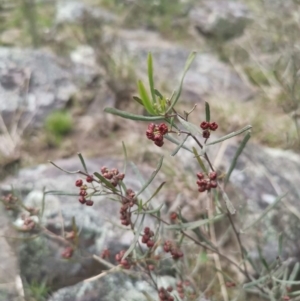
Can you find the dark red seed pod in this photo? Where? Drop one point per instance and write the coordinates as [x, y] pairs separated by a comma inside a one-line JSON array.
[[200, 175], [212, 175], [206, 134], [213, 126], [173, 216], [204, 125], [89, 179], [89, 203], [170, 289], [83, 193], [104, 169], [147, 230], [213, 184], [201, 188], [163, 129], [82, 200], [79, 183], [160, 144], [150, 243], [158, 137], [151, 127]]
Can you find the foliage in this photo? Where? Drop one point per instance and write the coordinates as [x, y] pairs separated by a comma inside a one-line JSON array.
[[59, 124]]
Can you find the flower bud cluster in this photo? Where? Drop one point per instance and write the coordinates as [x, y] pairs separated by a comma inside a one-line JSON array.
[[170, 248], [83, 192], [67, 252], [164, 295], [207, 127], [156, 133], [28, 224], [9, 201], [148, 237], [113, 175], [125, 263], [127, 202], [184, 289], [206, 183]]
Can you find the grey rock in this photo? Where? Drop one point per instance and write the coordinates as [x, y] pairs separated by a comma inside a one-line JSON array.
[[73, 11], [34, 83], [99, 225], [206, 77], [114, 286], [222, 20]]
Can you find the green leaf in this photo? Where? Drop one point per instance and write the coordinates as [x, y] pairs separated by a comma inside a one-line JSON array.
[[157, 93], [190, 127], [233, 134], [82, 162], [236, 156], [132, 116], [66, 171], [60, 192], [177, 142], [265, 212], [200, 162], [156, 192], [145, 98], [150, 77], [194, 225], [280, 243], [177, 94], [228, 203], [286, 282], [135, 239], [207, 112], [137, 99], [153, 211], [152, 176], [179, 146], [126, 157], [295, 272], [256, 282], [105, 181]]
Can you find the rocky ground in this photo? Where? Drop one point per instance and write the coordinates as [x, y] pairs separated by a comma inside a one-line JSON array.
[[82, 56]]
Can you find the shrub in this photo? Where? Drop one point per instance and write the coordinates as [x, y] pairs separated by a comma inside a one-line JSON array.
[[59, 123], [150, 248]]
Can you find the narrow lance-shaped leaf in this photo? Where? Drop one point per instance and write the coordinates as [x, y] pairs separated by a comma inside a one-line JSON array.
[[280, 244], [126, 157], [145, 98], [207, 112], [265, 212], [295, 272], [150, 77], [137, 99], [156, 192], [200, 162], [179, 146], [82, 162], [194, 225], [105, 181], [233, 134], [236, 156], [152, 176], [228, 203], [158, 93], [135, 239], [177, 142], [190, 127], [177, 94], [132, 116]]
